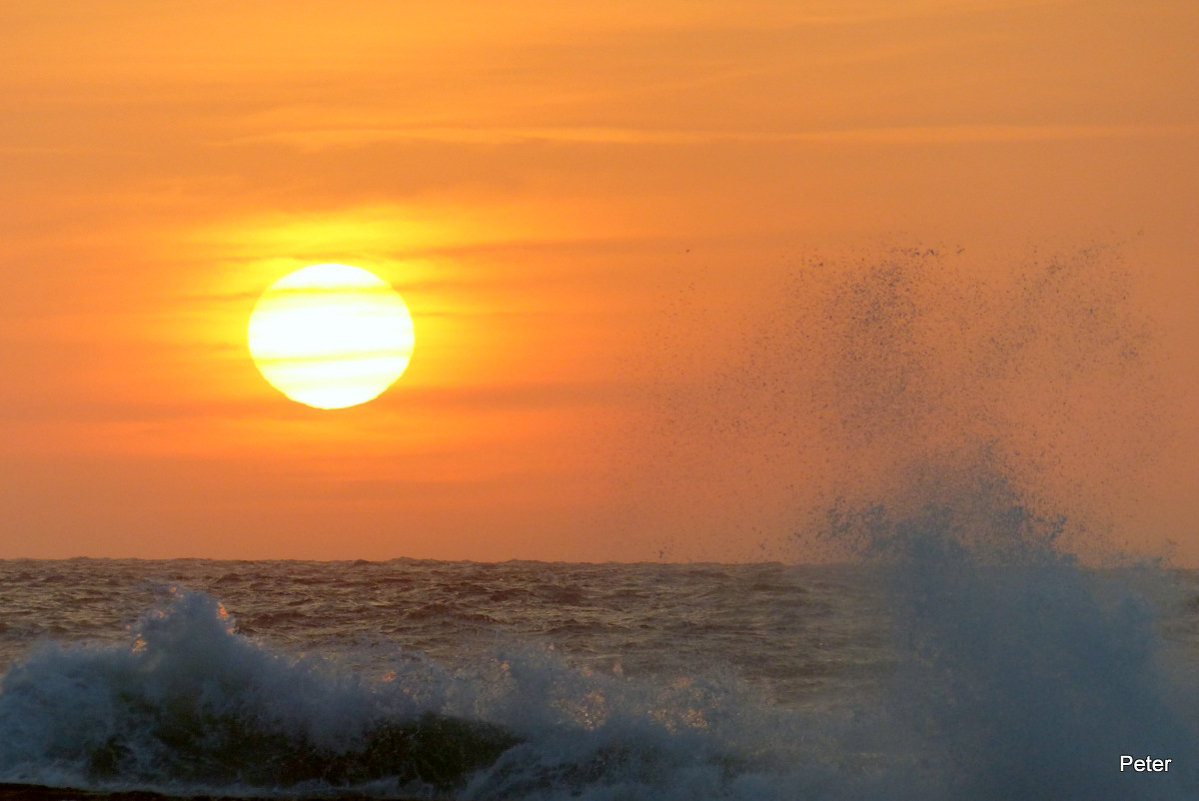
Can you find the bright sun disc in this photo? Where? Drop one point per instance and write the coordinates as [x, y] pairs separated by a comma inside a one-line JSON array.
[[331, 335]]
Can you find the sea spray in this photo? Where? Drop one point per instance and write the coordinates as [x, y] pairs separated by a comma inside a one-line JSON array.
[[1020, 674], [1011, 671]]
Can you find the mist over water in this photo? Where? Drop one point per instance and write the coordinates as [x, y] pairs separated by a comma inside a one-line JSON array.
[[994, 413], [1024, 673]]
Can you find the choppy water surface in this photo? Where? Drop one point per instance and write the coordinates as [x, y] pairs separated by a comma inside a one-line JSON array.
[[935, 671], [796, 633]]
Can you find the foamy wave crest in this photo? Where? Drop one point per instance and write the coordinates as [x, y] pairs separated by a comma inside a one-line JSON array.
[[190, 704]]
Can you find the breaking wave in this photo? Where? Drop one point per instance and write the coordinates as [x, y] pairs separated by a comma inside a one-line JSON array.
[[1013, 673]]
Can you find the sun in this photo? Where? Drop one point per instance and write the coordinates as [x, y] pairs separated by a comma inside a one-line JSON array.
[[331, 335]]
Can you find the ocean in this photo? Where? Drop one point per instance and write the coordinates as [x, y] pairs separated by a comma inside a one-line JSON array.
[[943, 662]]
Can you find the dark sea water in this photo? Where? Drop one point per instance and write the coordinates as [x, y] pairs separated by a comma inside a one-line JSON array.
[[935, 668]]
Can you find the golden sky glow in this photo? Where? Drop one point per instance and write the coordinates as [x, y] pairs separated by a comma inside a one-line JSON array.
[[683, 273]]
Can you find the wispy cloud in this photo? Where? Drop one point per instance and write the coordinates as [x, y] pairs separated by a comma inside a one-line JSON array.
[[333, 137]]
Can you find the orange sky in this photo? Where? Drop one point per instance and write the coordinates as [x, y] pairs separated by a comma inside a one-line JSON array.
[[669, 266]]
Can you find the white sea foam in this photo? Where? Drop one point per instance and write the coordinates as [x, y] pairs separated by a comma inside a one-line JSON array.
[[1013, 673]]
